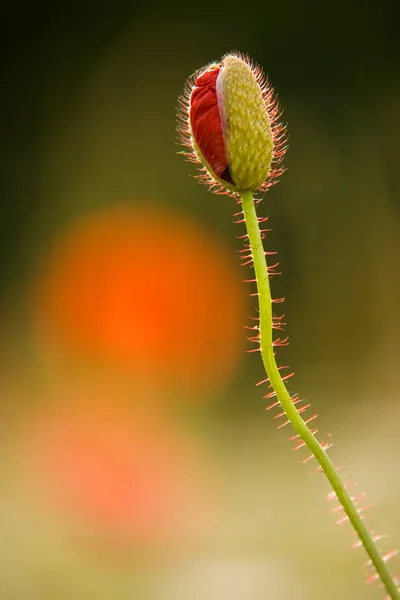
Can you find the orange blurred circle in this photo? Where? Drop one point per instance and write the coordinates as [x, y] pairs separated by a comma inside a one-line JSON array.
[[144, 288]]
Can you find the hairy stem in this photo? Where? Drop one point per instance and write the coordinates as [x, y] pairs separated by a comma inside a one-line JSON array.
[[285, 400]]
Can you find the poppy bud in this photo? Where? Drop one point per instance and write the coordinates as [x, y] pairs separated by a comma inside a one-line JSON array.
[[228, 119]]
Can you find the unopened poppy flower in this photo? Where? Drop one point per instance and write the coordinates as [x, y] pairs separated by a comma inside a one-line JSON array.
[[229, 121]]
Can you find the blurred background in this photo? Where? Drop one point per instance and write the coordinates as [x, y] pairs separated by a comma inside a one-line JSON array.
[[137, 459]]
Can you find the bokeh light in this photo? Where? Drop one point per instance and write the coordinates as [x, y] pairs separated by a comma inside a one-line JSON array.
[[144, 289], [112, 477]]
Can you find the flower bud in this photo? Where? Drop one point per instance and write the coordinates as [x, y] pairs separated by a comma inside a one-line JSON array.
[[228, 119]]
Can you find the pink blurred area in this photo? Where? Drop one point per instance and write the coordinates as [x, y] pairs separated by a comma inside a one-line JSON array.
[[108, 476]]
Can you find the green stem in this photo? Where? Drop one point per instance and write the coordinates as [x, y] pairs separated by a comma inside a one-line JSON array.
[[282, 395]]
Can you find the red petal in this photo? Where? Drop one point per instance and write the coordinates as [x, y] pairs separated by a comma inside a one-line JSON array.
[[206, 123]]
